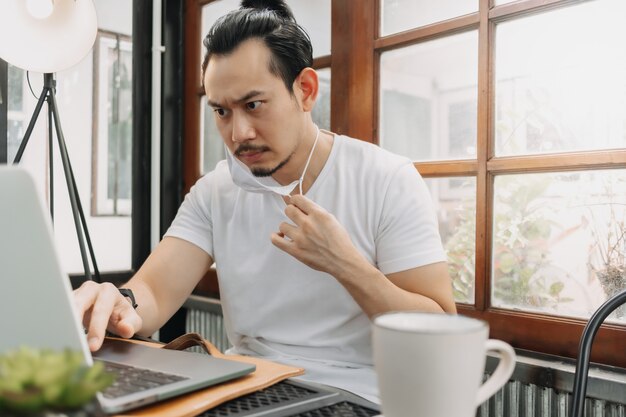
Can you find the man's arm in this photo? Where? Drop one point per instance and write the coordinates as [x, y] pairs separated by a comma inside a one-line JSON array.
[[318, 240], [161, 286], [425, 288]]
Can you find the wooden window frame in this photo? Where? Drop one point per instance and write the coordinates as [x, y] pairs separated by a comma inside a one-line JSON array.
[[355, 51]]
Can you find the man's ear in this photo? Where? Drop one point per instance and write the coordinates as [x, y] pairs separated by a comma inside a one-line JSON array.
[[306, 86]]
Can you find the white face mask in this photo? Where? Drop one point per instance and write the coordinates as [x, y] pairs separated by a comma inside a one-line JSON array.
[[246, 180]]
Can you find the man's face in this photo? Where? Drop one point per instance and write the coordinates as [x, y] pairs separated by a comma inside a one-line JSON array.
[[258, 119]]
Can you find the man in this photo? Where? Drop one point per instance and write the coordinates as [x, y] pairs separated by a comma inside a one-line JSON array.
[[312, 233]]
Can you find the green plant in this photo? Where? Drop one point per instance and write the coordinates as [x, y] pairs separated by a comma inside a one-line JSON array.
[[461, 253], [607, 255], [33, 380], [522, 231]]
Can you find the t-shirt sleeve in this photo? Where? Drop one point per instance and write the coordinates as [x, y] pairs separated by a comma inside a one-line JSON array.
[[193, 221], [408, 235]]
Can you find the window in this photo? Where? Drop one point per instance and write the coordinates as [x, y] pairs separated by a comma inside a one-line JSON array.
[[16, 115], [400, 15], [428, 98], [520, 132], [112, 125]]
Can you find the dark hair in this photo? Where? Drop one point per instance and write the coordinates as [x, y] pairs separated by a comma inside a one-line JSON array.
[[274, 24]]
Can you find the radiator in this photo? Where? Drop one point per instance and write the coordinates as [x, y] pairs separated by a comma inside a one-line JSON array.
[[523, 396], [204, 316], [518, 399]]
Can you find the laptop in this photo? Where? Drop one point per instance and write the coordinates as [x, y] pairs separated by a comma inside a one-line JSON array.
[[36, 310]]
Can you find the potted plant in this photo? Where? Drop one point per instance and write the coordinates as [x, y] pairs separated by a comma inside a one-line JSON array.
[[608, 256], [42, 381]]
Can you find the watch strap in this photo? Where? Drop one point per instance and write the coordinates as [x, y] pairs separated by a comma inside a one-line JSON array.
[[128, 293]]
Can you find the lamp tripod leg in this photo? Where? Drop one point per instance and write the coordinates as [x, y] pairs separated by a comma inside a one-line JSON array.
[[83, 221], [48, 94], [77, 212], [51, 161]]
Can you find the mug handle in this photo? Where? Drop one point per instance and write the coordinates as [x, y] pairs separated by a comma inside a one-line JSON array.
[[502, 373]]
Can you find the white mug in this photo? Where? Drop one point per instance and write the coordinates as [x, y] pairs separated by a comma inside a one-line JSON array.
[[432, 365]]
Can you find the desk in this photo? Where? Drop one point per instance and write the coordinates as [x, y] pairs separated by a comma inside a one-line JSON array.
[[288, 398]]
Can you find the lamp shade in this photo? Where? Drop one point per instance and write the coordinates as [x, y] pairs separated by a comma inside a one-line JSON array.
[[47, 44]]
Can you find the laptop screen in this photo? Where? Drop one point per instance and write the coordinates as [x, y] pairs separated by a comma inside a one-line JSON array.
[[35, 301]]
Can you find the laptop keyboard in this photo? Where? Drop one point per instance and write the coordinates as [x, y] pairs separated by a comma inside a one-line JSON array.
[[129, 379]]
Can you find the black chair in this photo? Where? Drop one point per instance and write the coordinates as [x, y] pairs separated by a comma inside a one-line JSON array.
[[579, 391]]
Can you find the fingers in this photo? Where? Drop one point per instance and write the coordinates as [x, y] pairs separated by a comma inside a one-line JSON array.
[[101, 311], [102, 308], [84, 297], [287, 230], [306, 205], [279, 240], [128, 325], [291, 232], [295, 214]]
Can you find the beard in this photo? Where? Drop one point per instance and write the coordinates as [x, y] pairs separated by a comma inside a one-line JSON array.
[[266, 172]]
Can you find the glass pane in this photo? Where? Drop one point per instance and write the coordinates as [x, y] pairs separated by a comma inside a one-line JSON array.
[[113, 128], [499, 2], [212, 146], [111, 236], [562, 90], [399, 15], [16, 116], [559, 241], [428, 98], [455, 202], [321, 111], [314, 17]]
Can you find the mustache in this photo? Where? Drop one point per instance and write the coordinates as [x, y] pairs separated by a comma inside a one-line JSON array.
[[250, 148]]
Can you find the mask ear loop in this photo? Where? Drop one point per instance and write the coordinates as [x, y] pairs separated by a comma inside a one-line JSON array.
[[306, 166]]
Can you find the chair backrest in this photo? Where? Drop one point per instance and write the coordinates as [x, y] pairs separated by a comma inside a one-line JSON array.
[[579, 391]]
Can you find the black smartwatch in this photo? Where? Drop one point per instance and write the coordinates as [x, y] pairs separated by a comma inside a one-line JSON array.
[[129, 294]]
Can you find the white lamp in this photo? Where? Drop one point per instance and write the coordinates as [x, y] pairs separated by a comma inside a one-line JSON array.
[[46, 35], [49, 36]]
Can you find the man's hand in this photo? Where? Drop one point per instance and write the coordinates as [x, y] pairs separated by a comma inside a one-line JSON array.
[[316, 238], [102, 308]]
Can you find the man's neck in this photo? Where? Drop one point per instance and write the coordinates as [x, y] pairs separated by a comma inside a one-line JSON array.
[[318, 160]]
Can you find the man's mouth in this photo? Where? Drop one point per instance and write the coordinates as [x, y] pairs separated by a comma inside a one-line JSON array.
[[250, 154]]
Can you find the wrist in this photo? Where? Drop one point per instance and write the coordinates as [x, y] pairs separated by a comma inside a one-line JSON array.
[[353, 268]]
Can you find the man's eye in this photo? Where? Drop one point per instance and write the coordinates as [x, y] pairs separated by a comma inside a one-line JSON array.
[[220, 112], [253, 105]]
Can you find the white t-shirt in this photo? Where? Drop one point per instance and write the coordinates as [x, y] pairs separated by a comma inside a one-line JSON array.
[[278, 308]]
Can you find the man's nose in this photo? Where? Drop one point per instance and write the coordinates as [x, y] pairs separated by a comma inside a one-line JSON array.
[[242, 129]]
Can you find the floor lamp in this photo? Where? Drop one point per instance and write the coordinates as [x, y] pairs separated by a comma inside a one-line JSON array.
[[48, 36]]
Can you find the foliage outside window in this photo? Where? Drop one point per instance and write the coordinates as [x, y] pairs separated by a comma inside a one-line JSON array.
[[455, 201], [559, 241]]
